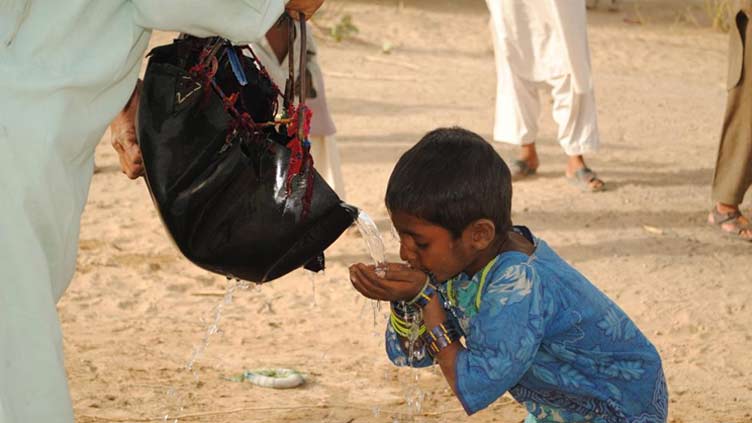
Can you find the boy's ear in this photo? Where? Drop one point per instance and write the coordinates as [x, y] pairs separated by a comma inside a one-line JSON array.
[[481, 233]]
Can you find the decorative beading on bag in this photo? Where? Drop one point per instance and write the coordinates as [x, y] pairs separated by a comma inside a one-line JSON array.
[[236, 190]]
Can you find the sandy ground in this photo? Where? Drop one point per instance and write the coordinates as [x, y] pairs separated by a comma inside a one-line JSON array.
[[136, 310]]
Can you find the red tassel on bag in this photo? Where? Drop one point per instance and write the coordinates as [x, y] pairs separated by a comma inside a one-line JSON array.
[[300, 163], [298, 154], [309, 182], [205, 69]]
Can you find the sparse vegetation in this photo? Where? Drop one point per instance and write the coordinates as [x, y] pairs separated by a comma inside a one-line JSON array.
[[344, 28], [719, 13], [333, 21], [715, 14]]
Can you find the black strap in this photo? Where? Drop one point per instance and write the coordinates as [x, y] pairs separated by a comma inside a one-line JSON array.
[[290, 85], [303, 72]]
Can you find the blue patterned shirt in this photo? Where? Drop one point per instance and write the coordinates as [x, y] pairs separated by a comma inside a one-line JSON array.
[[540, 330]]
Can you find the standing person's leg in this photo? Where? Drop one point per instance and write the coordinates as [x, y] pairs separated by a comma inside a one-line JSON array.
[[323, 142], [577, 119], [43, 197], [733, 170], [517, 104], [516, 119], [326, 160]]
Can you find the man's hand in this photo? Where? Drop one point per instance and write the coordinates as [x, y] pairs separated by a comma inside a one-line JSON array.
[[308, 7], [123, 138], [400, 282]]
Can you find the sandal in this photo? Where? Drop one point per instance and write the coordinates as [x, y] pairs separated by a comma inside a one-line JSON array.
[[586, 180], [733, 224], [521, 170]]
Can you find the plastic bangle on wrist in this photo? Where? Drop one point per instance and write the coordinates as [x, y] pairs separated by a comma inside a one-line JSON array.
[[425, 294], [406, 320], [406, 329], [440, 337], [405, 311]]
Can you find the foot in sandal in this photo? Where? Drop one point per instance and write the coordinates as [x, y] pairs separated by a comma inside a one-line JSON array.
[[581, 176], [731, 221], [527, 164]]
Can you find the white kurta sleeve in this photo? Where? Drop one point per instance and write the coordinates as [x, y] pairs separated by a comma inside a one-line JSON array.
[[12, 13], [240, 21]]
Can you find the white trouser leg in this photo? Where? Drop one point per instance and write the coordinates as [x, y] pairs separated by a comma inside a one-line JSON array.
[[517, 102], [517, 108], [576, 116], [43, 197], [326, 161]]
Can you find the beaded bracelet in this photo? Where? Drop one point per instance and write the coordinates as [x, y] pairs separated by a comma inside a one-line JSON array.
[[425, 294], [404, 319], [406, 329], [440, 337], [406, 311]]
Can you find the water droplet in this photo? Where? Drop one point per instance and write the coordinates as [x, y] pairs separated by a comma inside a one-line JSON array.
[[312, 278]]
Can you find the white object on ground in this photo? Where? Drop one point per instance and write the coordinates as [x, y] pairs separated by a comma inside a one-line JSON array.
[[274, 378]]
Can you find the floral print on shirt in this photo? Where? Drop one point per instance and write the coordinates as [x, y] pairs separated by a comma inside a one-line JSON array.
[[547, 335]]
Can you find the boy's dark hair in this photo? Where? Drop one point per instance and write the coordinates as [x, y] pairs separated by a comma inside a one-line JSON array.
[[451, 178]]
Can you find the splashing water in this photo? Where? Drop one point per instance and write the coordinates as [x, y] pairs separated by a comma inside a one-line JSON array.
[[198, 350], [213, 327], [312, 277], [413, 394], [375, 244], [175, 403]]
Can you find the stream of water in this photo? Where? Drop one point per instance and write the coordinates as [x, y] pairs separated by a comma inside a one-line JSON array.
[[173, 395], [370, 232], [375, 245]]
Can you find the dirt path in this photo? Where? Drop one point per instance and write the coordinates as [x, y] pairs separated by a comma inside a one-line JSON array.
[[137, 309]]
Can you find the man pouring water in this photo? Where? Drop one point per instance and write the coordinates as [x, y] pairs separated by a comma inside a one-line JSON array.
[[66, 70]]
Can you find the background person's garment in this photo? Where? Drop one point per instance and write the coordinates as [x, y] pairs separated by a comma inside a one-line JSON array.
[[326, 161], [323, 142], [66, 69], [547, 335], [733, 169], [543, 44], [518, 110]]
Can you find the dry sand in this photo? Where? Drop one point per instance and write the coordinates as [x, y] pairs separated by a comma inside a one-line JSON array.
[[136, 309]]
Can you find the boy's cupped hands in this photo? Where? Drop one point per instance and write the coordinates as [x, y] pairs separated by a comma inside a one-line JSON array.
[[400, 282]]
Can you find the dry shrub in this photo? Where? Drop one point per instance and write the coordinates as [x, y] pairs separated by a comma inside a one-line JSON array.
[[719, 14]]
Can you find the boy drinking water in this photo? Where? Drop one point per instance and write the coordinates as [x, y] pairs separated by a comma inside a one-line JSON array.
[[532, 325]]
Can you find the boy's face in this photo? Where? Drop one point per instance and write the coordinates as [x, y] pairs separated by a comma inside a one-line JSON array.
[[430, 247]]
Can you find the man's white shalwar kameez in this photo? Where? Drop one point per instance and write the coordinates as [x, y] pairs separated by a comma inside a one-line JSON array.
[[323, 142], [66, 69], [542, 44]]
